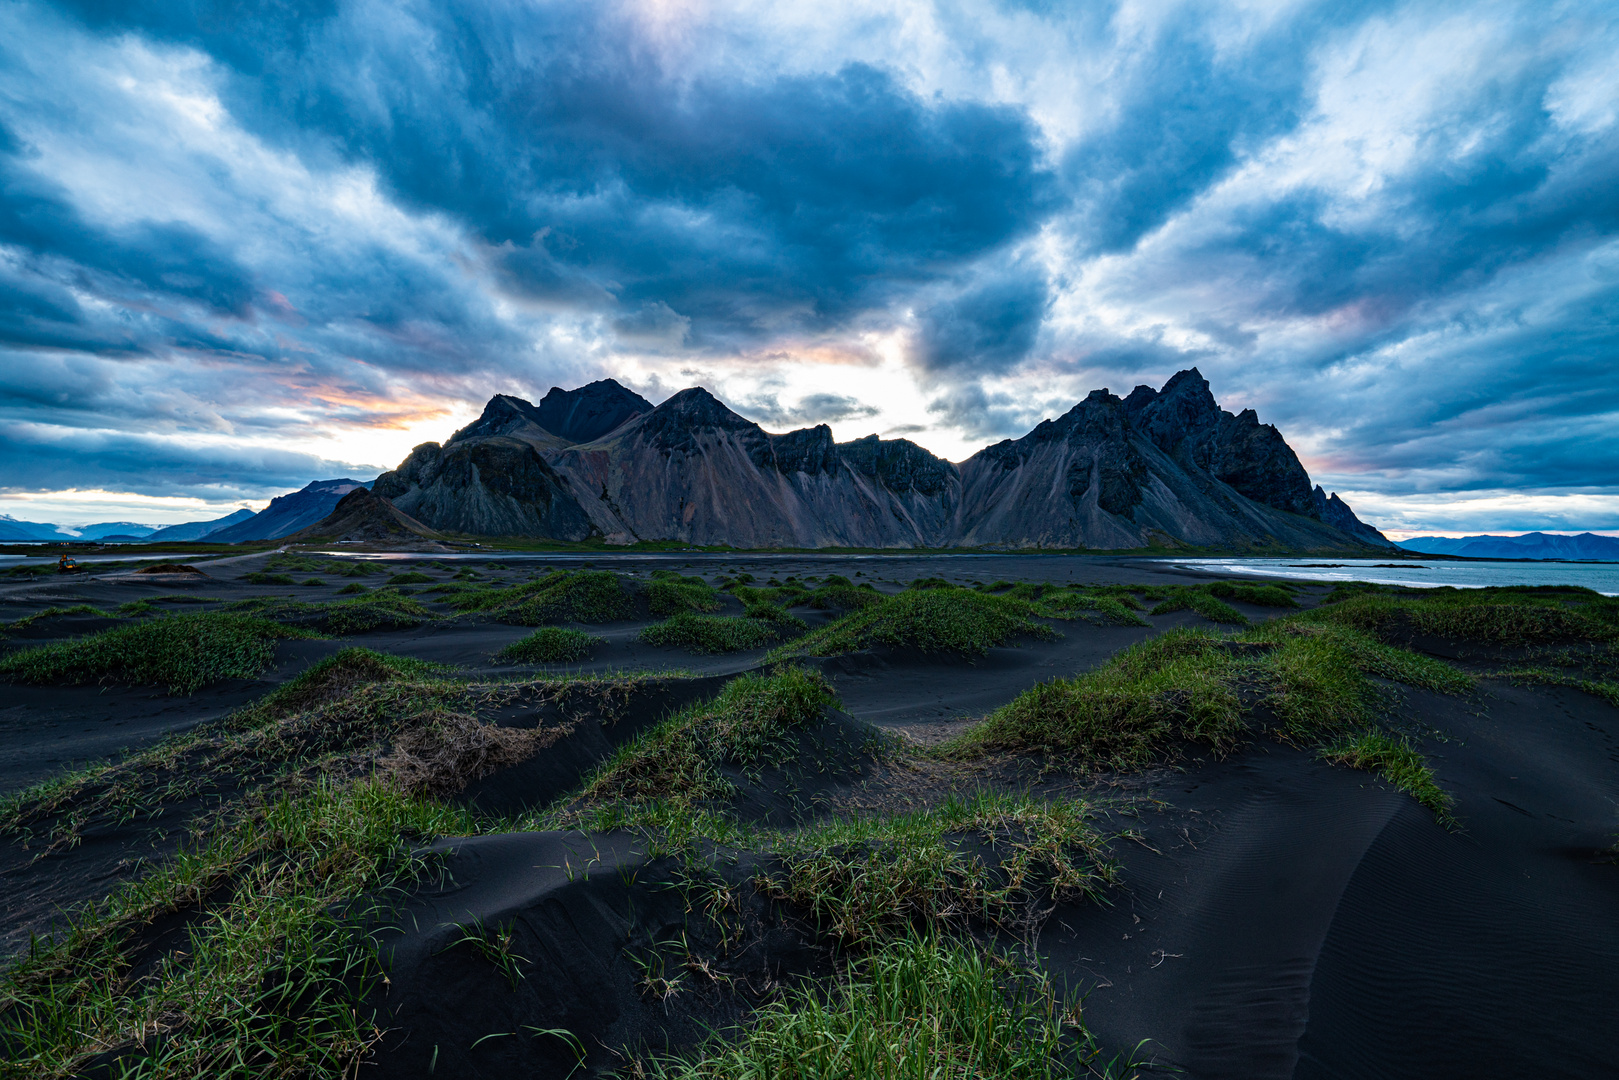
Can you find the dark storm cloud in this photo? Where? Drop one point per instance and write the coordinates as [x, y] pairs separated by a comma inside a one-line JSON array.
[[599, 179], [989, 328], [556, 186]]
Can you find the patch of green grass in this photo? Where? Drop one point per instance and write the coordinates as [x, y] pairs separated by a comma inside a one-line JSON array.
[[353, 588], [994, 858], [312, 581], [1398, 762], [1212, 608], [1315, 680], [671, 594], [587, 596], [550, 645], [1249, 593], [747, 723], [708, 634], [291, 563], [1507, 616], [1177, 686], [182, 652], [259, 577], [268, 981], [411, 577], [946, 619], [1108, 609], [838, 593], [363, 614], [920, 1007]]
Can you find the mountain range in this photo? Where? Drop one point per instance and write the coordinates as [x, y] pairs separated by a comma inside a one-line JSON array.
[[1158, 468], [1535, 545], [13, 530]]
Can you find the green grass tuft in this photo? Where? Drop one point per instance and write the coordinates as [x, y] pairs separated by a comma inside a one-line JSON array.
[[1248, 593], [269, 979], [710, 634], [947, 619], [411, 577], [748, 724], [550, 645], [1210, 607], [1314, 680], [259, 577], [1398, 762], [364, 614], [1506, 616], [182, 652], [921, 1007], [353, 588], [1175, 687], [994, 858], [587, 596], [671, 594]]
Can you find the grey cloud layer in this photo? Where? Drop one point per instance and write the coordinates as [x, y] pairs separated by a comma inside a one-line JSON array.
[[1445, 322]]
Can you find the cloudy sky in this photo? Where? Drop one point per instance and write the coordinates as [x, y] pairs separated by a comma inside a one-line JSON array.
[[248, 245]]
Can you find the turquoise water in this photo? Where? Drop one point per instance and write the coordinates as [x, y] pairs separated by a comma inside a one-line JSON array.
[[1603, 577]]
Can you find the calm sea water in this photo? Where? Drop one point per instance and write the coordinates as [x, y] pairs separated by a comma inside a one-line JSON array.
[[1603, 577]]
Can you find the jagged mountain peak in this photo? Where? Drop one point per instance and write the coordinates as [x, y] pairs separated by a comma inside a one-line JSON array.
[[675, 422], [502, 415], [591, 411]]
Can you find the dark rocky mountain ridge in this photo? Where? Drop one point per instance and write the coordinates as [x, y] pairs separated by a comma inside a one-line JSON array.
[[1157, 468]]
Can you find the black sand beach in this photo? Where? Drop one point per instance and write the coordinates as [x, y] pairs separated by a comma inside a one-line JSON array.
[[1274, 914]]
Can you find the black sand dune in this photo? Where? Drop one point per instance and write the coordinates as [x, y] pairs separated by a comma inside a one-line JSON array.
[[1278, 916]]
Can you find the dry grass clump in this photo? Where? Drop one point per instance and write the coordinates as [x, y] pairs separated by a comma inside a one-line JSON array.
[[442, 752]]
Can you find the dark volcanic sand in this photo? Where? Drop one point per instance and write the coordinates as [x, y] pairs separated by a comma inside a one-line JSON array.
[[1278, 917]]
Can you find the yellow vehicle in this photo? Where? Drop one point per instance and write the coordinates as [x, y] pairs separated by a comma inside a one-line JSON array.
[[66, 565]]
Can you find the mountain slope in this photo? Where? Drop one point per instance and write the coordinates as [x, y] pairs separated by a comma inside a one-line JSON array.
[[196, 530], [361, 516], [288, 513], [693, 470]]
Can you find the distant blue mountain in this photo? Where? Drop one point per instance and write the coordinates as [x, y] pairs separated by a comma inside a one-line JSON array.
[[288, 513], [196, 530], [104, 529], [13, 530], [1535, 545]]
